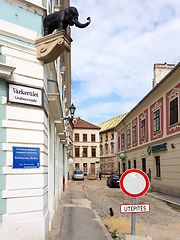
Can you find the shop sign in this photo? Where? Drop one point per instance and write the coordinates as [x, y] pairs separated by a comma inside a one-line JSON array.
[[122, 156], [26, 157], [157, 148]]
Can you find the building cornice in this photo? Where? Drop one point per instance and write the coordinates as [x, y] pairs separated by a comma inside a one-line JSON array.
[[6, 70], [40, 10], [14, 45], [13, 31]]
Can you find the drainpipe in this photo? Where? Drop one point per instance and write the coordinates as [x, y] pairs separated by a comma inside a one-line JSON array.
[[64, 168], [125, 144], [117, 151]]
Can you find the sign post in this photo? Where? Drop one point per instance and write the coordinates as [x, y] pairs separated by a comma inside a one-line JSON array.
[[134, 183], [133, 219]]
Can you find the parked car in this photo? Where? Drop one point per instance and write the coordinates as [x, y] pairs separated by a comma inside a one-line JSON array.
[[113, 180], [78, 175]]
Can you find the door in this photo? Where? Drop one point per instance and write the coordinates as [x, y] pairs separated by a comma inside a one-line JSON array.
[[92, 168]]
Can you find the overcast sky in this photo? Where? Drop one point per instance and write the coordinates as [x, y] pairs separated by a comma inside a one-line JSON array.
[[113, 58]]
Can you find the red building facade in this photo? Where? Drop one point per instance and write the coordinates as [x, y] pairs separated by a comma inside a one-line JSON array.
[[150, 135]]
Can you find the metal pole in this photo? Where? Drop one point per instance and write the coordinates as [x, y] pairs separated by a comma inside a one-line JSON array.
[[125, 145], [133, 219]]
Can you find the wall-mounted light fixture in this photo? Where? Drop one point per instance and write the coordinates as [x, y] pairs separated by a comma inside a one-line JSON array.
[[72, 111]]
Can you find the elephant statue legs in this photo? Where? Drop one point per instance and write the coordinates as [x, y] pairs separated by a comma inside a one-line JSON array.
[[61, 19]]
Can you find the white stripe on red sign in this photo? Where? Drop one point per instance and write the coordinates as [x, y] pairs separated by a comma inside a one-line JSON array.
[[135, 208]]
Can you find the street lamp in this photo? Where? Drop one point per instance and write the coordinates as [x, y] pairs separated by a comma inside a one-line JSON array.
[[72, 109]]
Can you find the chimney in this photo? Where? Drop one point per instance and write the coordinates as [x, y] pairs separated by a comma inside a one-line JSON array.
[[160, 71]]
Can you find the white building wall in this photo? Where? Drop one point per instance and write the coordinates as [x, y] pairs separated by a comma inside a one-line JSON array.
[[32, 194], [26, 189]]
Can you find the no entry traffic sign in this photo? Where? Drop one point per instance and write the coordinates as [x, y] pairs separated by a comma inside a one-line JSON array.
[[134, 183]]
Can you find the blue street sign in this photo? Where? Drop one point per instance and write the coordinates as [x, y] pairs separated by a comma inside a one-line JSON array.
[[26, 157]]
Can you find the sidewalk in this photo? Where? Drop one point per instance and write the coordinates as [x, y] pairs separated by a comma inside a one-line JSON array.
[[165, 197], [74, 218]]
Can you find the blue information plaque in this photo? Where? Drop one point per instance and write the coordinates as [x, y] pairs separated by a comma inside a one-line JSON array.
[[26, 157]]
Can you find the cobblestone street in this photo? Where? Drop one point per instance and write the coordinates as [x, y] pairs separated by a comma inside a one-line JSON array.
[[162, 223]]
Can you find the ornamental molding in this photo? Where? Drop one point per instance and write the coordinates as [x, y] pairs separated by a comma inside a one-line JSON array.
[[157, 106], [174, 93], [157, 134], [134, 122], [177, 125], [50, 47], [128, 126], [143, 116]]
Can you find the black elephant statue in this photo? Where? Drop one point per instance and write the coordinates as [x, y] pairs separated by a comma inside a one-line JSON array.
[[61, 19]]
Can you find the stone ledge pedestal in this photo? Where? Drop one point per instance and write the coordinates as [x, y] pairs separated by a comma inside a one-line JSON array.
[[50, 47]]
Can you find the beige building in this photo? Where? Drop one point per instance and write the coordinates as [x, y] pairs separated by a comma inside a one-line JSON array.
[[108, 145], [85, 154], [149, 134]]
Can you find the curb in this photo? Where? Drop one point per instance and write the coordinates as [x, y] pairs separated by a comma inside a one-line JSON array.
[[102, 224], [163, 199]]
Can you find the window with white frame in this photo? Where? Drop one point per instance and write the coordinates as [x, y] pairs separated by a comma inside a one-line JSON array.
[[156, 120], [85, 152], [134, 133], [76, 166], [112, 135], [122, 139], [143, 128], [129, 164], [128, 137], [112, 147], [144, 164], [106, 148], [118, 142], [158, 167], [174, 111], [101, 150]]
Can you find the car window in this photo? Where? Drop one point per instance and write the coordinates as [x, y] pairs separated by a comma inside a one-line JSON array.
[[78, 172], [115, 177]]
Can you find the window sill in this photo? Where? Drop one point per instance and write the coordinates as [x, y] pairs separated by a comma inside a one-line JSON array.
[[159, 131], [174, 125], [158, 178]]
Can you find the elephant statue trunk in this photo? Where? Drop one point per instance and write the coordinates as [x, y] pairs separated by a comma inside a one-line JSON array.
[[82, 25]]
